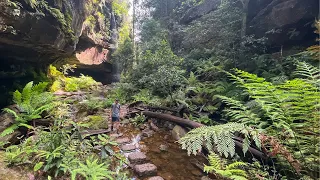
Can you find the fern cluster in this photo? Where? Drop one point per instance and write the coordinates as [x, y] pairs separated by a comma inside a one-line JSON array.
[[31, 102], [231, 171], [288, 111], [219, 137]]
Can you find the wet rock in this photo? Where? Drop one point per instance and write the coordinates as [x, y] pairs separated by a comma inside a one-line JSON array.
[[143, 147], [147, 133], [168, 125], [153, 126], [156, 178], [166, 137], [143, 126], [128, 148], [137, 158], [147, 169], [163, 147], [167, 176], [123, 140], [155, 150], [178, 132], [205, 178], [196, 172]]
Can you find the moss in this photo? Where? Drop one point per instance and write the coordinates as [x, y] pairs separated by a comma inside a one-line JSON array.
[[97, 122]]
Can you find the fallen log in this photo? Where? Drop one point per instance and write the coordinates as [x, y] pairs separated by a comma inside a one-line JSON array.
[[172, 118], [192, 124]]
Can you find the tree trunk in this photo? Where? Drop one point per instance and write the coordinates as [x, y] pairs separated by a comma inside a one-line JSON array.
[[175, 119], [245, 4]]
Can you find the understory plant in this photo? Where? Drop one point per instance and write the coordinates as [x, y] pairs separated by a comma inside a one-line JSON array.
[[31, 103], [230, 171], [70, 84], [285, 114]]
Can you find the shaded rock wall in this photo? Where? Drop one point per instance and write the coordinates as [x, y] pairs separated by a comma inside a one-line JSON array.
[[285, 23], [34, 34]]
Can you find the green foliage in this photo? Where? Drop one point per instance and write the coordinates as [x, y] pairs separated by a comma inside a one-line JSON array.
[[231, 171], [158, 71], [62, 149], [70, 84], [138, 119], [31, 102], [120, 7], [96, 122], [92, 170], [219, 136], [288, 111]]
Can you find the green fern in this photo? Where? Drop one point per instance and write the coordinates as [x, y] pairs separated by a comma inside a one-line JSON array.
[[219, 136], [230, 171], [309, 72], [31, 102], [288, 111]]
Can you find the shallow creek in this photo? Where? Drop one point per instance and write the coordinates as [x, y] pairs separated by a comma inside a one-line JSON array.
[[172, 162]]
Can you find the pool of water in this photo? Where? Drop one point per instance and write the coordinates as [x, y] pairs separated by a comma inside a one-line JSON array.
[[173, 163]]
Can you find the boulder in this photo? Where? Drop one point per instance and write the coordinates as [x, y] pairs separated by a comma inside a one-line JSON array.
[[178, 132]]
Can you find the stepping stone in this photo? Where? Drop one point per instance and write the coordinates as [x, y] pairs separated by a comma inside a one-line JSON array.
[[137, 158], [128, 147], [155, 178], [116, 135], [147, 169], [123, 140]]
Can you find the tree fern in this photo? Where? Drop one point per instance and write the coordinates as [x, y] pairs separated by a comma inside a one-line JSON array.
[[219, 137]]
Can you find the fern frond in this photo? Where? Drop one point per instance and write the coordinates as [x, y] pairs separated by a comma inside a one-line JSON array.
[[39, 88], [27, 92], [214, 161], [309, 72], [17, 97], [12, 112], [235, 165], [9, 130], [219, 136], [239, 112]]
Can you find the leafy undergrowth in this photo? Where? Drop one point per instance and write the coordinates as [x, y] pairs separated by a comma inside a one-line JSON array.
[[63, 150]]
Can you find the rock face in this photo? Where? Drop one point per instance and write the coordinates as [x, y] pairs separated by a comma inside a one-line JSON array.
[[34, 34], [283, 22]]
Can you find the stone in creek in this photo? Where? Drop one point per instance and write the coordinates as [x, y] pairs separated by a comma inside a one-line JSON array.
[[123, 140], [147, 169], [196, 173], [128, 147], [163, 147], [137, 158], [156, 178], [205, 178], [147, 133]]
